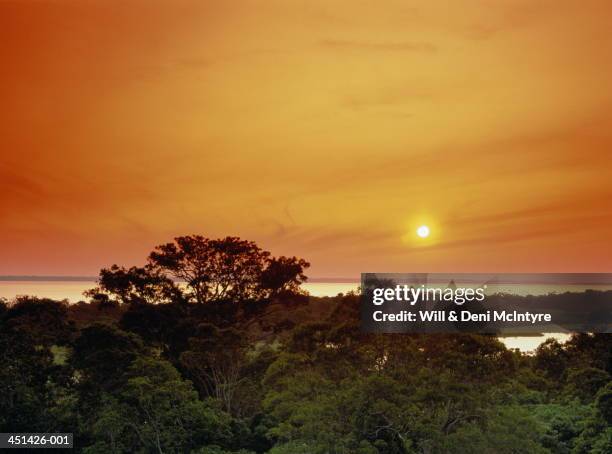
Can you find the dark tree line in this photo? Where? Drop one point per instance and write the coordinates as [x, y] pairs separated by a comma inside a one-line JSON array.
[[212, 348]]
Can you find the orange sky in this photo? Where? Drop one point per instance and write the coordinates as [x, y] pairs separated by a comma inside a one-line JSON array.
[[324, 129]]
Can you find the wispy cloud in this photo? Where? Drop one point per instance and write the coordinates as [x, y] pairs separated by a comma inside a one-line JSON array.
[[403, 46]]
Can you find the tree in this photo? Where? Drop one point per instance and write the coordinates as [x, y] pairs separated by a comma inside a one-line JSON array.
[[222, 269], [156, 410], [590, 350], [25, 371], [137, 285], [43, 319], [164, 326], [585, 382], [228, 269], [102, 352], [552, 358], [563, 424], [604, 403], [219, 378], [282, 275], [214, 361], [35, 393]]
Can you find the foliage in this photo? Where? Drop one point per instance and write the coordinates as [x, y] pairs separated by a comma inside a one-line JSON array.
[[228, 362], [227, 269], [156, 410]]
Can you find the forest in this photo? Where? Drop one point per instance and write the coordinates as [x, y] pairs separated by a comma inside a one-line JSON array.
[[212, 347]]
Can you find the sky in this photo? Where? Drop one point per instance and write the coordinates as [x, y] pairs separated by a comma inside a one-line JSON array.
[[327, 129]]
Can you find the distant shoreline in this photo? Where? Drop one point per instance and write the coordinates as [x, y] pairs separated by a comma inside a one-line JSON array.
[[48, 278], [33, 278], [501, 278]]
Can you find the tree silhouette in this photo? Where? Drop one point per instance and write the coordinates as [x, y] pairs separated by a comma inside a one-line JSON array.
[[134, 285], [228, 269]]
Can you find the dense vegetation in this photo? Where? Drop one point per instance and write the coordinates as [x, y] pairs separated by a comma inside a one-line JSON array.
[[238, 360]]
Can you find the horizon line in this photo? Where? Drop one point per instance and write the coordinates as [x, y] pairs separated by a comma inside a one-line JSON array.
[[72, 278]]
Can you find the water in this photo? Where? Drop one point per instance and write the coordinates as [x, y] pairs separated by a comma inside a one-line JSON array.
[[58, 290], [73, 292]]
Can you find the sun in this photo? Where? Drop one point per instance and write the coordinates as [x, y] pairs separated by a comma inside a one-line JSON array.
[[423, 231]]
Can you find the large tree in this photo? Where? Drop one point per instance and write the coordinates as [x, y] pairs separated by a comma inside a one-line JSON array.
[[226, 269], [202, 270]]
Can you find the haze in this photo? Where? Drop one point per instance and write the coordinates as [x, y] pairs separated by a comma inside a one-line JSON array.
[[320, 129]]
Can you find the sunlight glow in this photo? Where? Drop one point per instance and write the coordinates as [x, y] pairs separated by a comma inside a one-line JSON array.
[[423, 231]]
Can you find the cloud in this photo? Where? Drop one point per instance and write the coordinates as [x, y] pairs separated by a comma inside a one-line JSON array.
[[13, 184], [403, 46], [559, 233]]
